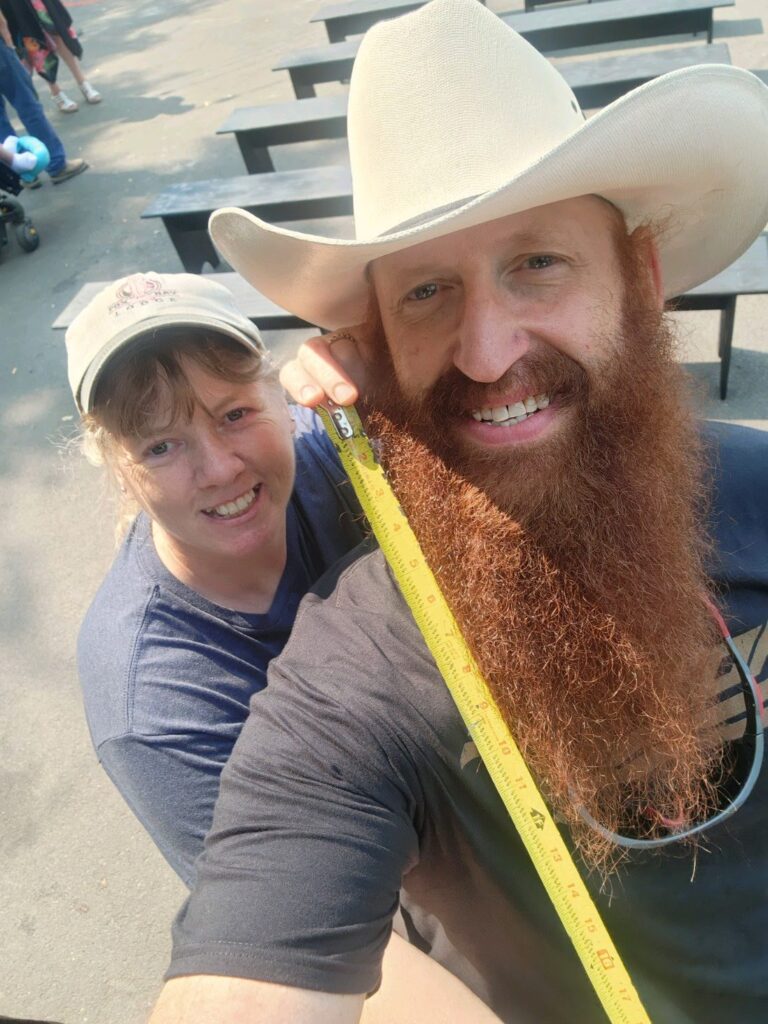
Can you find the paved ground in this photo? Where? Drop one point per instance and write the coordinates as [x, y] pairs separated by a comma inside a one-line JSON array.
[[86, 900]]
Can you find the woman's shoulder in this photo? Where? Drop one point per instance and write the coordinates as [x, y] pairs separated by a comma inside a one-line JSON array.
[[149, 644], [110, 636]]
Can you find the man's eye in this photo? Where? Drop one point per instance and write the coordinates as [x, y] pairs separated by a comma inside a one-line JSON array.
[[234, 415], [423, 291], [540, 262]]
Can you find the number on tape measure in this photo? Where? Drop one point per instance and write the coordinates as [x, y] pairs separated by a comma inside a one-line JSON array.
[[487, 728]]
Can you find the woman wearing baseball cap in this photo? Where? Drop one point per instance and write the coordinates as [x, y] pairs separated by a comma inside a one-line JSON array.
[[232, 506]]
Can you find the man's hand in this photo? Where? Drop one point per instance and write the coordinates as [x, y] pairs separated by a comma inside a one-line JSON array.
[[203, 999], [328, 366]]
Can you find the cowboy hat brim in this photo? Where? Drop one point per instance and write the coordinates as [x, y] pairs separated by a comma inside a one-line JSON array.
[[688, 150]]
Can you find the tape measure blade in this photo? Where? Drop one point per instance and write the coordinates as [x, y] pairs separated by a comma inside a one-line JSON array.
[[502, 758]]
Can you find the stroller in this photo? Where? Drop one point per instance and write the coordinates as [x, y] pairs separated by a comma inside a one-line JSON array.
[[12, 212]]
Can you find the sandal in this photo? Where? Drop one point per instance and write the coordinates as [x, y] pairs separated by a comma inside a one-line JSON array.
[[91, 95], [64, 103]]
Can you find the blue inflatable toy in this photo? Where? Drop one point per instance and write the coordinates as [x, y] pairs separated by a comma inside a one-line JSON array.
[[28, 144]]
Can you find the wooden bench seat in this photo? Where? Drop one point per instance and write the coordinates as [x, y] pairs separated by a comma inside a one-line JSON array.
[[596, 82], [284, 195], [351, 19], [615, 21], [531, 5], [548, 30], [257, 128], [252, 304], [601, 80], [556, 28], [747, 276]]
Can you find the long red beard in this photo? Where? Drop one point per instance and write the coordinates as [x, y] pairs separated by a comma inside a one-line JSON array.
[[576, 575]]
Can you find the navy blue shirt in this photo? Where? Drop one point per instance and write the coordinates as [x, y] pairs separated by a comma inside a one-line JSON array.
[[167, 676], [354, 780]]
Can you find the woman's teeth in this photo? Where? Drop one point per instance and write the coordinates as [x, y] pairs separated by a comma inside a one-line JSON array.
[[506, 415], [233, 508]]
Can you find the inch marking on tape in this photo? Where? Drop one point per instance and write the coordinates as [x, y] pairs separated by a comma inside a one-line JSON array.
[[500, 754]]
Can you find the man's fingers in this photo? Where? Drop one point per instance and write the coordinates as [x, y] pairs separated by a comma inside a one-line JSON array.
[[325, 367], [300, 385]]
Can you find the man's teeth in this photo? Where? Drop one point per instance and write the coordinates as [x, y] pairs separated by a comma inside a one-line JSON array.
[[233, 508], [504, 415]]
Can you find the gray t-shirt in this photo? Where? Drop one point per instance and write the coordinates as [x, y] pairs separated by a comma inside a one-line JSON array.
[[355, 775]]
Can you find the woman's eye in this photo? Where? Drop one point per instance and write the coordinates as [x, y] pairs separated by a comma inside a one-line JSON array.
[[161, 448], [423, 291], [234, 415]]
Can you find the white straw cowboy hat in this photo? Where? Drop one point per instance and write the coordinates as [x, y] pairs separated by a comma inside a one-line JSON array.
[[455, 120]]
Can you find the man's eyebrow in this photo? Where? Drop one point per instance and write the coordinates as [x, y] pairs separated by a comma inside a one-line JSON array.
[[544, 238], [519, 241]]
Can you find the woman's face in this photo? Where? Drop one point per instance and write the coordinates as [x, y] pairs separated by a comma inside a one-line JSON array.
[[216, 486]]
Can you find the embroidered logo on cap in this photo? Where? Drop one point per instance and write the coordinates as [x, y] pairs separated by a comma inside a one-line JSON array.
[[140, 290]]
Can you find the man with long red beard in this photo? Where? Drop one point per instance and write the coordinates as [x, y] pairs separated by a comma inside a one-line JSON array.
[[510, 273]]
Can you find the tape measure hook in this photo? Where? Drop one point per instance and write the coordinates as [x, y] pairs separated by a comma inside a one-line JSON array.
[[340, 420]]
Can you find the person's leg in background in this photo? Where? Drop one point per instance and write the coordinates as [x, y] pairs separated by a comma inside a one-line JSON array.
[[16, 87], [6, 129], [91, 94]]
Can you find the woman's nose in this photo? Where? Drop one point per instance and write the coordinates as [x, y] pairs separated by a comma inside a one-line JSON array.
[[219, 462]]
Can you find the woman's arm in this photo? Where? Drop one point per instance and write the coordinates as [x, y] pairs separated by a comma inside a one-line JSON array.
[[170, 782]]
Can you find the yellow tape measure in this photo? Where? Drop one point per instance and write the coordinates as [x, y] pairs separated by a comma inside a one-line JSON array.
[[493, 739]]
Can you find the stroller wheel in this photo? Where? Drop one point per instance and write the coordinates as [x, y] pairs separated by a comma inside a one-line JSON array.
[[11, 210], [27, 236]]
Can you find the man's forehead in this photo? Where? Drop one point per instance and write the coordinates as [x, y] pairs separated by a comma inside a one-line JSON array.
[[563, 222]]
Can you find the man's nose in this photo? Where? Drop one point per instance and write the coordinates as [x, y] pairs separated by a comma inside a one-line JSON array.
[[218, 461], [491, 337]]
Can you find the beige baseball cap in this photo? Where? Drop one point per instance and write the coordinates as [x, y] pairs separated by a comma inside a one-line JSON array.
[[135, 306]]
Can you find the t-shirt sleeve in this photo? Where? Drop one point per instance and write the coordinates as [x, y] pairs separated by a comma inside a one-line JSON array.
[[315, 826], [170, 782]]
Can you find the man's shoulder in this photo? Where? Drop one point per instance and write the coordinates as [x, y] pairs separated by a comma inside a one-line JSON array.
[[739, 523], [737, 449], [357, 596], [738, 456], [362, 579], [355, 640]]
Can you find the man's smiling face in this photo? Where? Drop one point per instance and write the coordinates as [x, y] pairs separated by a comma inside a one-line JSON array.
[[569, 545], [505, 321]]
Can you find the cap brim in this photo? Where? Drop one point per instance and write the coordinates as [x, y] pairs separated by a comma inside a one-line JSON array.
[[664, 151], [139, 332]]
